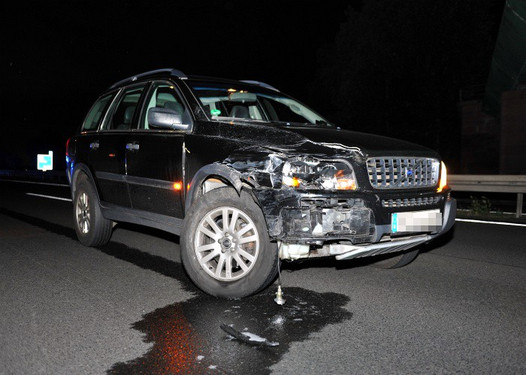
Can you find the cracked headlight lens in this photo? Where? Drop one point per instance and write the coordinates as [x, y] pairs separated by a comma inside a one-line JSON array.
[[311, 173]]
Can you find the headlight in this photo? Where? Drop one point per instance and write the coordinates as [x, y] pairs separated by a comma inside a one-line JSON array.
[[443, 177], [311, 173]]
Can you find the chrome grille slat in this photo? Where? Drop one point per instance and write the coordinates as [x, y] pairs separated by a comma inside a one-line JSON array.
[[410, 202], [402, 172]]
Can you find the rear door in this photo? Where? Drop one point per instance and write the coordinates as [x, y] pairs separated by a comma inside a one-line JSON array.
[[89, 137], [155, 156]]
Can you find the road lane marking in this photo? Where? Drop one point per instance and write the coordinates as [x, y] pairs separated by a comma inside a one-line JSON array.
[[491, 222], [49, 197], [35, 183], [462, 220]]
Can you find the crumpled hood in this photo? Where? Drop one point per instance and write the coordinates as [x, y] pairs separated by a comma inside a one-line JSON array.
[[314, 139], [369, 144]]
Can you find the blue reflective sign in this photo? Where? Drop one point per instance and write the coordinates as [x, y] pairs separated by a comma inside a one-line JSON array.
[[45, 161]]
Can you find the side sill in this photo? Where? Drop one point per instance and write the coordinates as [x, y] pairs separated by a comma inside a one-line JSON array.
[[166, 223]]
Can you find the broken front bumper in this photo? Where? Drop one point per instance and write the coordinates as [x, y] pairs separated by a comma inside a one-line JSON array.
[[346, 251], [349, 227]]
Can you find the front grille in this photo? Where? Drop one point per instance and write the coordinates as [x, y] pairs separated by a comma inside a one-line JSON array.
[[411, 202], [402, 173]]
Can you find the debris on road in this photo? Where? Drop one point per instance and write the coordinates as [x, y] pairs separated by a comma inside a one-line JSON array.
[[279, 297], [247, 337]]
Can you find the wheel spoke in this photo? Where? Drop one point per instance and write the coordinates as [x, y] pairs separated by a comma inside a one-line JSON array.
[[220, 265], [246, 255], [232, 226], [240, 262], [225, 219], [245, 229], [243, 240], [213, 225], [228, 267], [210, 246], [209, 257], [208, 232]]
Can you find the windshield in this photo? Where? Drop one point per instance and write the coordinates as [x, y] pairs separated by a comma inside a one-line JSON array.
[[248, 102]]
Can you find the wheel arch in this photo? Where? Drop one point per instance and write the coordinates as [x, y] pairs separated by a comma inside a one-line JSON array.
[[79, 170], [212, 176]]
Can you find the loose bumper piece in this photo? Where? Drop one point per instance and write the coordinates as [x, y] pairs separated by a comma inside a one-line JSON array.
[[343, 251]]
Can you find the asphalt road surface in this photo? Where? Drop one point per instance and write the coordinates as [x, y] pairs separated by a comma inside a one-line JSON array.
[[128, 307]]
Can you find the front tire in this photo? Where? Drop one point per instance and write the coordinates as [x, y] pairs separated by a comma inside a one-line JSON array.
[[225, 248], [91, 227]]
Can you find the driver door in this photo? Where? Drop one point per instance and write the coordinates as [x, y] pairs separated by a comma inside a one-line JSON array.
[[155, 156]]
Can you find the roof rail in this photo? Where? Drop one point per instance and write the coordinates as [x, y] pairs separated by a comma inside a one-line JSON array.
[[262, 84], [172, 72]]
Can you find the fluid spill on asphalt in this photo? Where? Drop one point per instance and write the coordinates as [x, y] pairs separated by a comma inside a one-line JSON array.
[[187, 338]]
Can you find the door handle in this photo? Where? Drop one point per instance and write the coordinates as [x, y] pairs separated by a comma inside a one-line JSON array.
[[132, 146], [94, 145]]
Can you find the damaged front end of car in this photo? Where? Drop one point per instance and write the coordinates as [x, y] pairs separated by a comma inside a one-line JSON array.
[[323, 204]]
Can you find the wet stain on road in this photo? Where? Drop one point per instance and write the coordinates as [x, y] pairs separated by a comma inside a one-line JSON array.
[[187, 338]]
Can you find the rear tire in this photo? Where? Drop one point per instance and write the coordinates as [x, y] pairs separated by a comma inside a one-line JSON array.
[[397, 261], [225, 247], [91, 227]]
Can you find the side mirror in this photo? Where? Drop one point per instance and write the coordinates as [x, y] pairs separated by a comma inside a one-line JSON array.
[[165, 118]]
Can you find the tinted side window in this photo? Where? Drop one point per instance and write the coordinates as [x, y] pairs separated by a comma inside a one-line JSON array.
[[124, 113], [96, 113]]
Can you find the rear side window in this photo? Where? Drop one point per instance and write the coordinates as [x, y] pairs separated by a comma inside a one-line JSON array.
[[124, 113], [96, 113]]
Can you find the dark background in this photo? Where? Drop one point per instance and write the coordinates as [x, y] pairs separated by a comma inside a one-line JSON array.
[[393, 67]]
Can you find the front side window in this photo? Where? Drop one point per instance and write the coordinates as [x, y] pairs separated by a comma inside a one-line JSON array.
[[164, 95], [124, 113], [226, 101], [96, 113]]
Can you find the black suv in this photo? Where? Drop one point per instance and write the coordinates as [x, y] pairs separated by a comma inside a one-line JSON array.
[[246, 176]]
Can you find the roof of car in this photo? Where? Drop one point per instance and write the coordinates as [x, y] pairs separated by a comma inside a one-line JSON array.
[[179, 74], [152, 73], [233, 81]]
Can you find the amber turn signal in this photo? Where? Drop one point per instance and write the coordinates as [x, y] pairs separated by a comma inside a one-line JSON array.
[[443, 177], [178, 186]]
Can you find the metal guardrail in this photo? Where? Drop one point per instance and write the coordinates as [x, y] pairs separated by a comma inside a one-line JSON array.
[[491, 183]]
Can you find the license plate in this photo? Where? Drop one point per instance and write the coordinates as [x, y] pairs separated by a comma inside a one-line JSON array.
[[416, 221]]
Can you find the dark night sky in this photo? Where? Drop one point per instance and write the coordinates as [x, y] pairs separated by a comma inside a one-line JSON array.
[[57, 56]]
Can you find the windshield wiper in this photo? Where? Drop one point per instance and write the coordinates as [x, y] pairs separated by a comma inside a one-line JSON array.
[[324, 123], [228, 118]]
